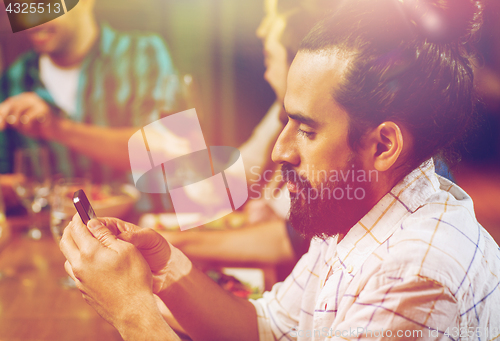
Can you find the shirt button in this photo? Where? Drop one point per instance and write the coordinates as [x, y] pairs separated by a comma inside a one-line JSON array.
[[349, 269]]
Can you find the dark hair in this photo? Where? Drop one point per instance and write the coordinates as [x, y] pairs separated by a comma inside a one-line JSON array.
[[408, 63], [301, 16]]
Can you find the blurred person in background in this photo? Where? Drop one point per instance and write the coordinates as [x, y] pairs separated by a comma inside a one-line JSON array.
[[266, 236], [80, 92]]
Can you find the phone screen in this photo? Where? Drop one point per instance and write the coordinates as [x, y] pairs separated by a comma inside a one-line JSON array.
[[83, 206]]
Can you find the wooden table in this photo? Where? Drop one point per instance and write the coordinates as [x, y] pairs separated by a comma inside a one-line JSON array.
[[34, 305]]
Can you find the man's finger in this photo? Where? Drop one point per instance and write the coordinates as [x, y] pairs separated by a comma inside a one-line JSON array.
[[141, 238], [71, 273], [29, 118], [81, 235], [101, 233], [151, 244], [113, 224], [29, 115], [11, 119], [4, 113], [16, 112], [21, 110], [5, 107], [117, 226], [69, 270], [68, 247]]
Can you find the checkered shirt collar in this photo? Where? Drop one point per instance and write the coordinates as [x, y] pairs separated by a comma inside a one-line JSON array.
[[386, 216]]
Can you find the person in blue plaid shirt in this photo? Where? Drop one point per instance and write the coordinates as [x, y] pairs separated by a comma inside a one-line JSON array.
[[375, 92], [80, 92]]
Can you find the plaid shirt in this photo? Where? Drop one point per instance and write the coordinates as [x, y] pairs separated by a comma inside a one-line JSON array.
[[120, 84], [417, 266]]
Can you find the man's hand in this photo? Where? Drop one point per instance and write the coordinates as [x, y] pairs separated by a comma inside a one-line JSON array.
[[30, 115], [153, 247], [114, 278], [112, 275]]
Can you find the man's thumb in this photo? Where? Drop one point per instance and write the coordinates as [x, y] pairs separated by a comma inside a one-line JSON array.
[[101, 233]]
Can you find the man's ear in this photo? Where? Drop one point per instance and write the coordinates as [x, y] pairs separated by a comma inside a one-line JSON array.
[[384, 144]]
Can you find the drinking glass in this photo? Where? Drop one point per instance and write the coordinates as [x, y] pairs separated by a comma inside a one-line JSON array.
[[177, 93], [62, 209], [33, 183]]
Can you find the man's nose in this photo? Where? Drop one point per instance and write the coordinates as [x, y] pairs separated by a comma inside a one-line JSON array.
[[285, 149]]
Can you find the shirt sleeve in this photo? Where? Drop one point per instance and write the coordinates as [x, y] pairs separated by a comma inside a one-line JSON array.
[[393, 307], [279, 309]]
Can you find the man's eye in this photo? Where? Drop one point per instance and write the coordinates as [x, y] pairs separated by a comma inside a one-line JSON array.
[[305, 133]]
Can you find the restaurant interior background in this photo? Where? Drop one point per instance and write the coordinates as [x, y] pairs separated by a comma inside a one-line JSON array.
[[215, 42], [212, 40]]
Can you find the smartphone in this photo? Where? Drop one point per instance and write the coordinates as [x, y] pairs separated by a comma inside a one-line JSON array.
[[83, 207]]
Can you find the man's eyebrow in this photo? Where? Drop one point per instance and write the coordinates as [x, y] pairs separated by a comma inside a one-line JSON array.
[[303, 119]]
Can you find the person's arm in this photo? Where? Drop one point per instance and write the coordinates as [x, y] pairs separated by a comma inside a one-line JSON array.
[[105, 145], [265, 242], [203, 309], [145, 324], [117, 281], [168, 316], [32, 116]]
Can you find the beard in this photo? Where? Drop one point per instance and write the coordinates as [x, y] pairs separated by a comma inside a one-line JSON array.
[[331, 207]]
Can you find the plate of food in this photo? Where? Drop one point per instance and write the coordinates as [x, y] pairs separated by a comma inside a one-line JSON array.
[[107, 201]]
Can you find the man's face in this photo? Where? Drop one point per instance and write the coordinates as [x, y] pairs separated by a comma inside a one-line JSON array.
[[57, 35], [314, 152]]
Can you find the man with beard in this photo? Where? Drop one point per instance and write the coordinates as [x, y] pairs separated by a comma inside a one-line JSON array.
[[316, 209], [381, 86], [83, 86]]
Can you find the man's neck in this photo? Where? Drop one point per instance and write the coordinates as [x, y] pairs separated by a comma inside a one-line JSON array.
[[76, 51]]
